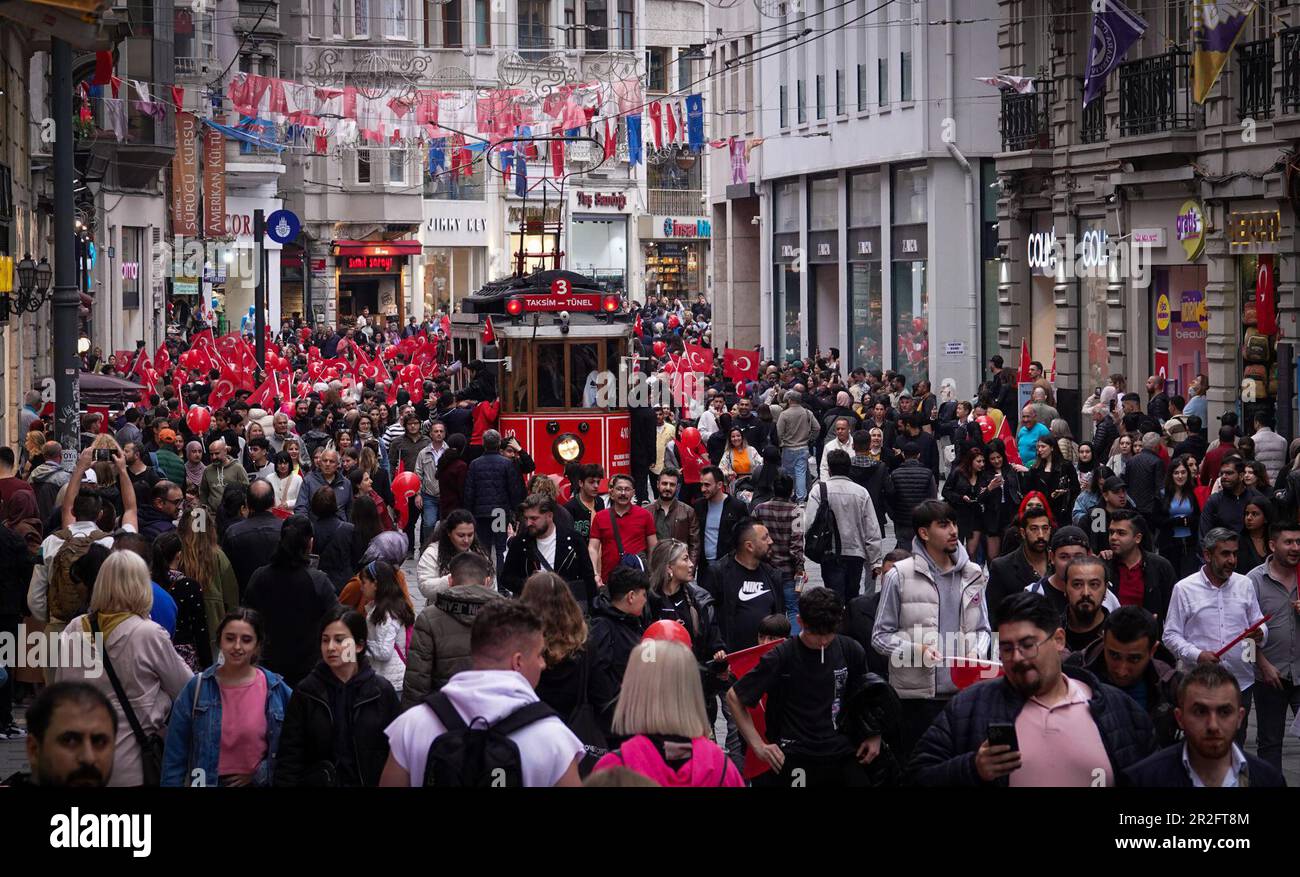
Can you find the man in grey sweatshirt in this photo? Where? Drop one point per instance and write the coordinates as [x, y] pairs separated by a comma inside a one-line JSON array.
[[795, 428], [919, 649]]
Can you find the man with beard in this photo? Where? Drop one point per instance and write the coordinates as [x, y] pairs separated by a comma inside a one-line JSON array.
[[540, 545], [931, 611], [71, 737], [1068, 543], [1020, 569], [1209, 609], [1277, 664], [1085, 587], [1210, 713], [1068, 727], [674, 519], [1140, 577]]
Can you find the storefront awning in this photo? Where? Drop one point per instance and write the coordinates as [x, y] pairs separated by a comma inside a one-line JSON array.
[[377, 248]]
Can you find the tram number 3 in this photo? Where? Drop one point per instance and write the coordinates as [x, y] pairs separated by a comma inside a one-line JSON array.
[[560, 286]]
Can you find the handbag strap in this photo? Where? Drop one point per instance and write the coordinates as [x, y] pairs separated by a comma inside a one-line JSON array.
[[613, 523], [541, 558], [136, 729]]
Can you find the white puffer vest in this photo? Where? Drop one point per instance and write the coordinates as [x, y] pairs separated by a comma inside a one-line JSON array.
[[918, 624]]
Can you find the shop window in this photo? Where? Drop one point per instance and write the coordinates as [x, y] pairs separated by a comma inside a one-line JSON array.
[[1258, 355], [910, 195], [823, 206], [865, 318], [911, 300], [132, 266], [864, 199]]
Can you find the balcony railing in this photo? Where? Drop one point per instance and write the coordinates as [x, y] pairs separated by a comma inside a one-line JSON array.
[[1155, 94], [1026, 119], [676, 202], [1291, 70], [1093, 127], [190, 66], [1255, 80]]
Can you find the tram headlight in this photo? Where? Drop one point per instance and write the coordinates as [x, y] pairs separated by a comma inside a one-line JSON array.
[[567, 448]]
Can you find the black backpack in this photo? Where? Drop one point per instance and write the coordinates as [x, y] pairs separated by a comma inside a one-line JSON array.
[[823, 535], [479, 754]]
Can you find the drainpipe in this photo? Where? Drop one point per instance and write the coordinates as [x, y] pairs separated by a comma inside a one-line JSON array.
[[972, 222]]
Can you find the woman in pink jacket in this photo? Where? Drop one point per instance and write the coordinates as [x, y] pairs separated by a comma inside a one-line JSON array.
[[661, 711]]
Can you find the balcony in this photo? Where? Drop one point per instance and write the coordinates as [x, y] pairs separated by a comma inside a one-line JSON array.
[[1092, 128], [1291, 70], [1026, 119], [1155, 95], [676, 202], [250, 11], [192, 66], [1255, 80]]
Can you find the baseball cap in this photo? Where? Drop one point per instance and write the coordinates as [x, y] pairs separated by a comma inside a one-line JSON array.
[[167, 435], [1069, 535], [1114, 483]]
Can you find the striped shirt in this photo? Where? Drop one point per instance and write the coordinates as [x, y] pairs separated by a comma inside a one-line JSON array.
[[779, 516]]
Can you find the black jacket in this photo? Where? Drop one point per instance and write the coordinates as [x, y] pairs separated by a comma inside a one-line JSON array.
[[1008, 574], [643, 429], [333, 545], [154, 523], [1162, 691], [1065, 478], [733, 511], [738, 619], [907, 487], [701, 621], [1158, 576], [1144, 475], [560, 687], [1164, 770], [1104, 434], [1164, 524], [929, 451], [572, 563], [292, 602], [945, 755], [614, 634], [313, 744], [250, 543], [1195, 444], [16, 564], [859, 621]]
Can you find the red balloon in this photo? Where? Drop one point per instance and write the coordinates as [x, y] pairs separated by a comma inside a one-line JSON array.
[[690, 437], [405, 486], [673, 322], [669, 631], [986, 426], [660, 348], [199, 419], [330, 374], [918, 325]]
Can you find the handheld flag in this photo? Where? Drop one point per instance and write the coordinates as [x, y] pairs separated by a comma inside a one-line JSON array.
[[740, 364]]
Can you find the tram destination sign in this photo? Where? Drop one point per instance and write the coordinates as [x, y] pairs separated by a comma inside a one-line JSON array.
[[574, 301]]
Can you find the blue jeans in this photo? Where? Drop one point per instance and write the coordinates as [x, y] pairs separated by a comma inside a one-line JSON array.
[[428, 518], [843, 575], [791, 606], [794, 462]]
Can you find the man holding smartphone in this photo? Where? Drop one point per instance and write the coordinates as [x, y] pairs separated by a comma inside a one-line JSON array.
[[1066, 727]]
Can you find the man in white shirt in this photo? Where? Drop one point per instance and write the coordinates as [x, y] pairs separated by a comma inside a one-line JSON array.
[[840, 440], [1210, 609], [426, 467], [509, 655]]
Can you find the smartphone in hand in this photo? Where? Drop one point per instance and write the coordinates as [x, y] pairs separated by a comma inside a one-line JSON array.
[[1003, 734]]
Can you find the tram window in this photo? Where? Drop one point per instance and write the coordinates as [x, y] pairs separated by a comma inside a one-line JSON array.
[[518, 378], [550, 375], [584, 373]]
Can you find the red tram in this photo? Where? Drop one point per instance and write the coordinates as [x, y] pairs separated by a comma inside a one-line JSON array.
[[561, 352]]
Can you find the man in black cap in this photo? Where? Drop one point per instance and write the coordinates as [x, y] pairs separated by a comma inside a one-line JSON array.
[[1067, 544], [1096, 521], [907, 487], [913, 430]]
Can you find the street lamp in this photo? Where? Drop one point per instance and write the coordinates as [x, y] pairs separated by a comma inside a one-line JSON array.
[[34, 284]]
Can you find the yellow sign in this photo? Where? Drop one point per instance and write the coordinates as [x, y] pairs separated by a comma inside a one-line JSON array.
[[1189, 226], [6, 273], [1162, 313]]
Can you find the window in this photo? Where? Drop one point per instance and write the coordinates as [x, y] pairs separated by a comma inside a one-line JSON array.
[[363, 167], [785, 110], [905, 76], [839, 93], [533, 25], [571, 24], [361, 18], [801, 104], [336, 18], [446, 186], [862, 88], [823, 204], [395, 19], [626, 34], [596, 17], [882, 83], [132, 253], [452, 13], [397, 167], [787, 207], [821, 96], [313, 23], [482, 23], [910, 195], [685, 65], [656, 63], [864, 199]]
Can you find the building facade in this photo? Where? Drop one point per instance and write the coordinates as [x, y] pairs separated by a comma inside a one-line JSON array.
[[1133, 231]]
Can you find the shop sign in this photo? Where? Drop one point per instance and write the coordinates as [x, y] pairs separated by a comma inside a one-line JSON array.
[[910, 245], [130, 270], [368, 263], [1041, 250], [610, 200], [864, 248], [1255, 227], [1149, 237], [699, 228], [1189, 225], [1162, 314], [458, 224], [1192, 315], [185, 286]]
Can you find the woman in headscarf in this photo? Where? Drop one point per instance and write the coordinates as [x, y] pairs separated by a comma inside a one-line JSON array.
[[22, 517], [194, 463], [391, 547]]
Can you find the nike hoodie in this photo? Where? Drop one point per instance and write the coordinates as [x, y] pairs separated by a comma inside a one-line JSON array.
[[748, 596]]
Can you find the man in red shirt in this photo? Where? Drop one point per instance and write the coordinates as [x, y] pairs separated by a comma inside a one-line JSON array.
[[1138, 577], [9, 482], [1214, 456], [636, 529]]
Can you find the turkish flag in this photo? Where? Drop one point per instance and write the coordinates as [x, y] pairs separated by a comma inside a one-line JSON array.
[[162, 360], [741, 663], [740, 364], [701, 358], [264, 396], [1265, 298], [489, 333], [1024, 359], [222, 392]]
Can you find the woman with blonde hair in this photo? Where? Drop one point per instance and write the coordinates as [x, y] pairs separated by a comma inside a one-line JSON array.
[[674, 596], [571, 684], [136, 668], [661, 710], [203, 560]]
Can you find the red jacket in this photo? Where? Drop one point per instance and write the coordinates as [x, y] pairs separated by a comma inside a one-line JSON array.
[[485, 418], [1213, 460]]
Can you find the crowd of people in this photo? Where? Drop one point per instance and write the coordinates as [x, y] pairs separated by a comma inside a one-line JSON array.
[[1053, 612]]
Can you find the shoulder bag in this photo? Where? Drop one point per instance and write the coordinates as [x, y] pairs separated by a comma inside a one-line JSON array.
[[151, 745]]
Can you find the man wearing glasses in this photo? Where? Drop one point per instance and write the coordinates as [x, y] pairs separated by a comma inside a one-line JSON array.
[[164, 508], [1067, 728]]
